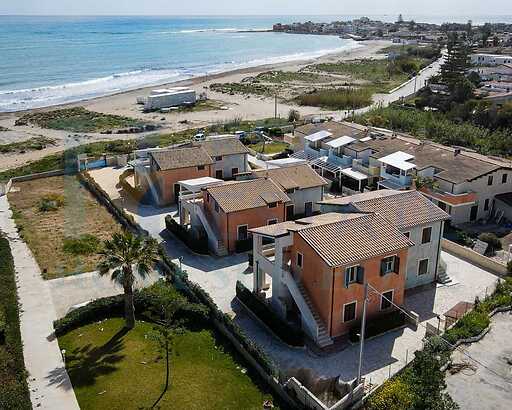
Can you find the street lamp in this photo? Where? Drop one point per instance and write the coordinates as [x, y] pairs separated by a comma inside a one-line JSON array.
[[361, 337]]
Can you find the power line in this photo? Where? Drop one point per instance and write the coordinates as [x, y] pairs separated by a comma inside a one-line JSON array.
[[440, 336]]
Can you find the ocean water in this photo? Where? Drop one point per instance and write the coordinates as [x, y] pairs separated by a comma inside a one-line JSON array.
[[52, 60], [46, 61]]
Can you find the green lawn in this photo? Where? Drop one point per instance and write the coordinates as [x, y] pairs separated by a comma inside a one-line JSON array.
[[32, 144], [274, 147], [14, 394], [111, 368]]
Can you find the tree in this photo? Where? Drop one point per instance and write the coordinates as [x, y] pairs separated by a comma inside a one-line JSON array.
[[293, 115], [123, 255], [165, 333], [400, 19], [454, 69]]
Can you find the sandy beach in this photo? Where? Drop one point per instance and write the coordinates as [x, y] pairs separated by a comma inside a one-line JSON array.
[[234, 106]]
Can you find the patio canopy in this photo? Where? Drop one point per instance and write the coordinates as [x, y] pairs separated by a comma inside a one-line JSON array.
[[322, 163], [196, 184], [350, 172], [399, 160], [340, 142]]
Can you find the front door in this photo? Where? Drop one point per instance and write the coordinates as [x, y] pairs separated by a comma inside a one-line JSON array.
[[218, 174], [289, 212], [242, 232], [308, 208], [474, 213]]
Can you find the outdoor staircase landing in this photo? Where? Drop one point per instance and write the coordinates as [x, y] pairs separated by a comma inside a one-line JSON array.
[[443, 278], [324, 339]]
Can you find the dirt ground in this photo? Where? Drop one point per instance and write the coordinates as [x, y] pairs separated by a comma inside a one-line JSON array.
[[45, 232]]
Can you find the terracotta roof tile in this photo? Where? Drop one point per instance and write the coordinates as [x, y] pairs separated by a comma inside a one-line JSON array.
[[296, 177], [240, 195], [181, 158], [220, 146]]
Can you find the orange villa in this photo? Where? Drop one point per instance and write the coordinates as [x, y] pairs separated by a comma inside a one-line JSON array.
[[318, 267], [227, 211]]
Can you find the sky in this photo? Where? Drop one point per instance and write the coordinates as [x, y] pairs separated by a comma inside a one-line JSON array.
[[260, 7]]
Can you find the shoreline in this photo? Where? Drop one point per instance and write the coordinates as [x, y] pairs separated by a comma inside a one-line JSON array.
[[236, 106]]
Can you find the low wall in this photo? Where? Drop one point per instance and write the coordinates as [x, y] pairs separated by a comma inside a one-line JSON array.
[[474, 257], [6, 187]]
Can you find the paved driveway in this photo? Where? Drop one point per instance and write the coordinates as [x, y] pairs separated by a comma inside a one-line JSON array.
[[482, 388]]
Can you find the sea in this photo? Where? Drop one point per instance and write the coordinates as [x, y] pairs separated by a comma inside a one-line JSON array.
[[50, 60]]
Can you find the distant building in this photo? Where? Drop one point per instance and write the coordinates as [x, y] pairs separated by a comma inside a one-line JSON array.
[[490, 59]]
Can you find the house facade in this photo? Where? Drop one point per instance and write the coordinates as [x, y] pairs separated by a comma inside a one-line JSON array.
[[415, 216], [319, 266], [302, 185]]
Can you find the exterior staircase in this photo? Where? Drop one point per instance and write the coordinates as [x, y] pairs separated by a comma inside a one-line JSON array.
[[324, 339], [442, 276], [221, 249]]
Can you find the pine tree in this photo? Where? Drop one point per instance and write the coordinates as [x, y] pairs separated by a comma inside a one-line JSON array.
[[456, 63]]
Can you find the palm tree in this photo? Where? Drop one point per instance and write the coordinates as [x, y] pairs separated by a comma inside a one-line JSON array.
[[123, 255]]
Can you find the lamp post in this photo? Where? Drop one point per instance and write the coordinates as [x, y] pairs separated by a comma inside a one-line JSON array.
[[361, 336]]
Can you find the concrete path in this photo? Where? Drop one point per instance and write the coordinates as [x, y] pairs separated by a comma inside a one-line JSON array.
[[48, 381]]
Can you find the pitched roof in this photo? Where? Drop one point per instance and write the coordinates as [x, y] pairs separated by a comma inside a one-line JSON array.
[[354, 239], [219, 146], [240, 195], [180, 158], [340, 239], [294, 177], [403, 209]]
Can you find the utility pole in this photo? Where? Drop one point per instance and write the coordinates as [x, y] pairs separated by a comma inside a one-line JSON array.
[[275, 106], [361, 336]]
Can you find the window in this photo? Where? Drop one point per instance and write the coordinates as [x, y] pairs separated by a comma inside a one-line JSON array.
[[426, 235], [349, 311], [489, 180], [486, 205], [200, 167], [242, 232], [423, 267], [218, 174], [386, 299], [351, 274], [234, 171], [504, 178], [407, 234], [300, 259], [272, 204], [272, 221], [308, 208], [218, 158], [387, 265]]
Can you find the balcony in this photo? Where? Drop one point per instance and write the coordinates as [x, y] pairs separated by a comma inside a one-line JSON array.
[[397, 179], [365, 168], [341, 160], [466, 198]]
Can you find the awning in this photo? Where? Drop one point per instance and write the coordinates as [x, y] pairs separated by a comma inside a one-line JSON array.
[[196, 184], [318, 136], [359, 176], [322, 163], [399, 160], [340, 142]]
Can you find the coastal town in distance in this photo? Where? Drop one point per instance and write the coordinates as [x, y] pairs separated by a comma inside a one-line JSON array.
[[231, 210]]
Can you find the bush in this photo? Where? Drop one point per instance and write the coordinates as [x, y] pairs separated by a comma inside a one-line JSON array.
[[394, 395], [378, 325], [293, 115], [493, 241], [51, 202], [86, 244], [338, 99], [3, 326], [287, 333], [471, 324], [198, 245]]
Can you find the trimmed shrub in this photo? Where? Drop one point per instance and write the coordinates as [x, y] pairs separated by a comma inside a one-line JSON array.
[[493, 241], [471, 324], [378, 325], [198, 245], [286, 332]]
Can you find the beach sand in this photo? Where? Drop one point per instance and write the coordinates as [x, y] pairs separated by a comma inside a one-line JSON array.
[[239, 106]]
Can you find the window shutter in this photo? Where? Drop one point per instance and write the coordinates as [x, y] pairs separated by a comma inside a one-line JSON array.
[[360, 274], [382, 268], [347, 278], [397, 265]]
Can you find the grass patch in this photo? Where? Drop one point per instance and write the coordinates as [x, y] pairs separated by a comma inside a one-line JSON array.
[[32, 144], [279, 77], [77, 120], [273, 147], [202, 105], [14, 394], [114, 369], [3, 129], [86, 244], [51, 202], [337, 99], [242, 88], [46, 233]]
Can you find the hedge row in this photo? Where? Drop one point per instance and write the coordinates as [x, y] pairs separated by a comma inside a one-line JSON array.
[[14, 392], [148, 306], [384, 323], [287, 333], [198, 245]]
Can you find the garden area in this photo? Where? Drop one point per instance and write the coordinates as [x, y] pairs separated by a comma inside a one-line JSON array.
[[114, 368], [14, 394], [77, 119], [62, 223], [274, 147], [32, 144]]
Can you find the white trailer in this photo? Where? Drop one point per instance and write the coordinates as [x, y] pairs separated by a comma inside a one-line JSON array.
[[169, 98]]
